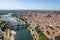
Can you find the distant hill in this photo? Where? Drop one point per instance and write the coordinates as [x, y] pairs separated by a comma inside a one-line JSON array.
[[24, 12]]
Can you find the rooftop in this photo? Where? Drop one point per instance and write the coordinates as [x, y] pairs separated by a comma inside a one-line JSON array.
[[49, 23]]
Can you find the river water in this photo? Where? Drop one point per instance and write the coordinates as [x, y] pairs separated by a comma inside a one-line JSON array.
[[20, 34]]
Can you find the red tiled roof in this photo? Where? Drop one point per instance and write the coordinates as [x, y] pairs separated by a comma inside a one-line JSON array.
[[44, 21]]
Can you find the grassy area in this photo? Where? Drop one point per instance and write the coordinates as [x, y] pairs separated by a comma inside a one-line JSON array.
[[41, 35]]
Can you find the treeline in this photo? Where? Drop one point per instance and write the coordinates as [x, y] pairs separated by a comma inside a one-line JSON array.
[[24, 12]]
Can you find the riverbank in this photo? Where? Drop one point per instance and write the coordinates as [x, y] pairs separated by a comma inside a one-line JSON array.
[[23, 34], [26, 33]]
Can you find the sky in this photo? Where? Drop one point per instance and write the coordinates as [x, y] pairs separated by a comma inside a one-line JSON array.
[[30, 4]]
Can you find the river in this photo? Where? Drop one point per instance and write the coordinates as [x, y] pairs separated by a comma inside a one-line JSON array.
[[20, 34]]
